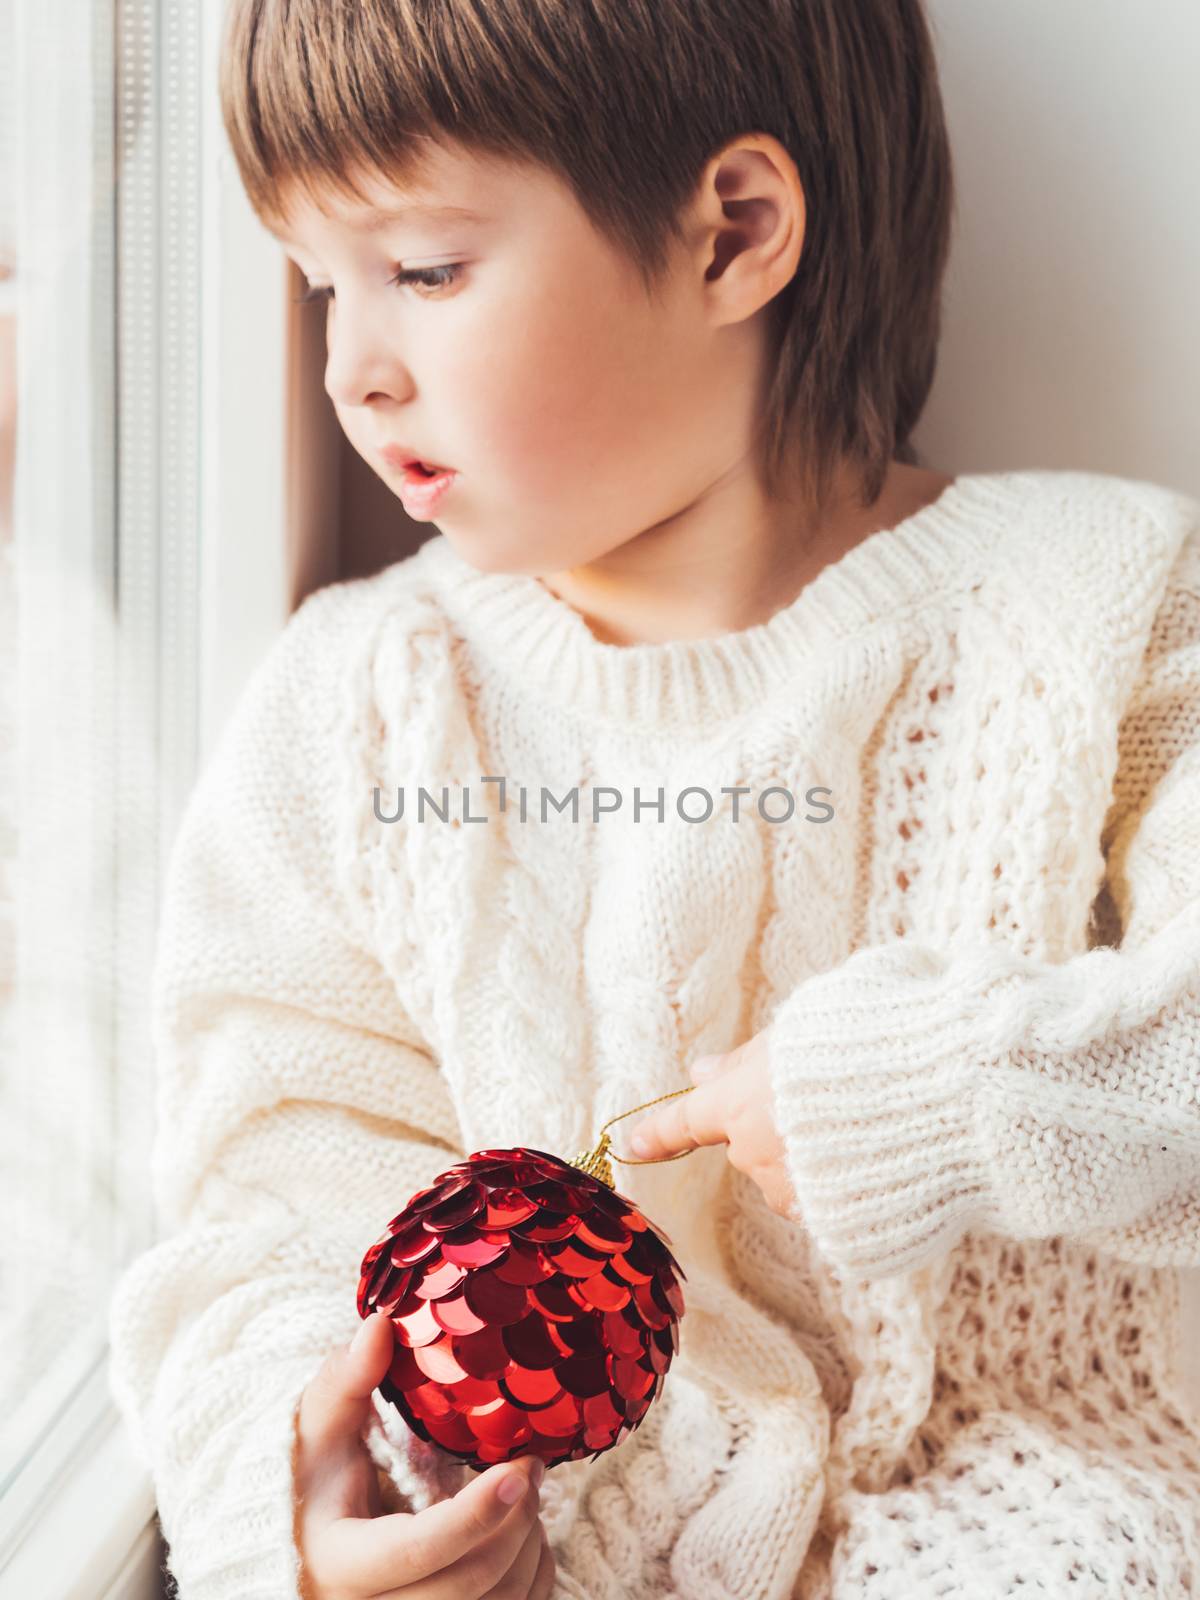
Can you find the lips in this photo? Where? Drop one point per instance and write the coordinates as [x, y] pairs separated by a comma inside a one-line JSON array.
[[404, 459], [421, 494]]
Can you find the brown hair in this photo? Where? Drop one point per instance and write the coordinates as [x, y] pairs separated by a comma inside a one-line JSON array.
[[626, 101]]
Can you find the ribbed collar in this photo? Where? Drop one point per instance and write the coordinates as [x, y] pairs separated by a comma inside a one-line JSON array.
[[522, 629]]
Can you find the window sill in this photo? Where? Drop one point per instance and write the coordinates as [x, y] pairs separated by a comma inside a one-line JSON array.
[[86, 1530]]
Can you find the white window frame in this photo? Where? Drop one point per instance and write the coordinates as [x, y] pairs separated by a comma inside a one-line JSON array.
[[92, 1533]]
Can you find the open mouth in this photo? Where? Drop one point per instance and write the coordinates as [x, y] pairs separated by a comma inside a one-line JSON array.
[[423, 485]]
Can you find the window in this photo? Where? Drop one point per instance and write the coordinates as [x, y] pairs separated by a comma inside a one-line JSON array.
[[97, 590], [142, 323]]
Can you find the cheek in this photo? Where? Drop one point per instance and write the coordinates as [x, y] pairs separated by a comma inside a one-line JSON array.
[[571, 388]]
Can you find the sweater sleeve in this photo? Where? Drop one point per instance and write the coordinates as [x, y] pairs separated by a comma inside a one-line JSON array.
[[921, 1094], [297, 1108]]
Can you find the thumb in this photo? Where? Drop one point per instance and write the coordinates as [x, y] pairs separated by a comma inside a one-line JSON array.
[[337, 1402], [368, 1354]]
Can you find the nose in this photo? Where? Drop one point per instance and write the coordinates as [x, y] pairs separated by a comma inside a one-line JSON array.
[[357, 363]]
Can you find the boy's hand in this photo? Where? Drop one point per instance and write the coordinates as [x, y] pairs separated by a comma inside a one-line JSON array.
[[472, 1545], [731, 1105]]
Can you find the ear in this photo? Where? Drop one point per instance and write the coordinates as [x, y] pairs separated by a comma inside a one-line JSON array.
[[749, 217]]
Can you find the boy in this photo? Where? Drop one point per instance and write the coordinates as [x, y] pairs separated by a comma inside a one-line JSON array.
[[662, 365]]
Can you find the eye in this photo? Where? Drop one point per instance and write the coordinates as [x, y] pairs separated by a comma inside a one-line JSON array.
[[430, 278]]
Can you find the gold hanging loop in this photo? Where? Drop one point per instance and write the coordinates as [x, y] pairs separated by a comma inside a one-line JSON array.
[[596, 1162]]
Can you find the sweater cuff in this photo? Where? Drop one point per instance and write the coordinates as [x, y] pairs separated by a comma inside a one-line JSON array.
[[252, 1506], [875, 1069], [416, 1474]]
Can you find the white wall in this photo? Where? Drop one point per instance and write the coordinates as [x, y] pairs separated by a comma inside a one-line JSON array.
[[1072, 334], [1072, 337]]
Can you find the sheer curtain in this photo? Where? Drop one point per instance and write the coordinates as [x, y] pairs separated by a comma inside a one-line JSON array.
[[99, 553]]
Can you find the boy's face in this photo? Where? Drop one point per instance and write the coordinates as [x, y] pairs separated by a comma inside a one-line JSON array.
[[575, 412]]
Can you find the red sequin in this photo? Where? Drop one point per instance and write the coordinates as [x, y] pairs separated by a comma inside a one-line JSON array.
[[535, 1310]]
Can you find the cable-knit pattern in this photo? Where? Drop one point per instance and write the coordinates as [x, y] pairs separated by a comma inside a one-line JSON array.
[[951, 1371]]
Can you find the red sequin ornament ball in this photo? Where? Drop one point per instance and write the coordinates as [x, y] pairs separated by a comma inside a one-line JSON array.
[[535, 1310]]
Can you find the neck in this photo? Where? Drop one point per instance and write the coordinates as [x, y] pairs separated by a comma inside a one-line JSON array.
[[729, 560]]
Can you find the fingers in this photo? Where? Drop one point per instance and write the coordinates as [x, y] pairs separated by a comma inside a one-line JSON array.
[[543, 1581], [455, 1549], [517, 1580], [694, 1119], [337, 1402]]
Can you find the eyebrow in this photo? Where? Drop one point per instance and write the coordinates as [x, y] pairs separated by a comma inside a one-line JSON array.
[[380, 217]]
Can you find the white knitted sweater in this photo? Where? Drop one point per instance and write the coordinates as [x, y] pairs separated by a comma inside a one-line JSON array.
[[954, 1369]]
